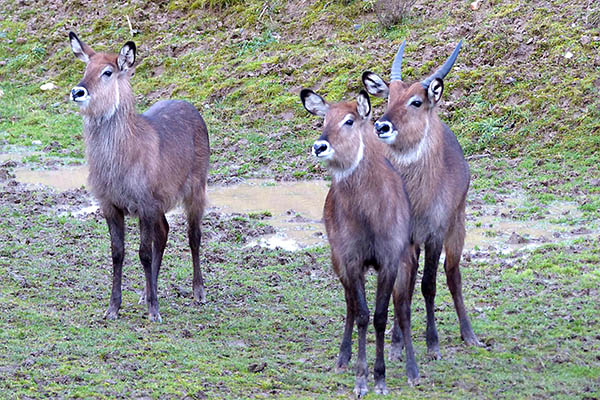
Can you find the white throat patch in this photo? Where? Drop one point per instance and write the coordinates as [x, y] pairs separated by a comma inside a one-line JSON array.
[[115, 106], [341, 174], [415, 153]]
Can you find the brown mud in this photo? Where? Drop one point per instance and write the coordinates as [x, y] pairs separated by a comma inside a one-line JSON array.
[[293, 211]]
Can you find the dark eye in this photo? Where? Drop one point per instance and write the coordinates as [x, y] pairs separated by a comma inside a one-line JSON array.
[[107, 73], [416, 103], [349, 122]]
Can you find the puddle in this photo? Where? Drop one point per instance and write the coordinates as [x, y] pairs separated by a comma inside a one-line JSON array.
[[16, 153], [10, 157], [296, 209], [494, 229], [60, 179]]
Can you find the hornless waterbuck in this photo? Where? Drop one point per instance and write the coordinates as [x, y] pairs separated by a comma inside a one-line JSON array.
[[431, 161], [367, 218], [142, 165]]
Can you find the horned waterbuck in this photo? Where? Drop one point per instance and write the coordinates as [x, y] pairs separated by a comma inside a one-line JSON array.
[[430, 159], [141, 165], [367, 219]]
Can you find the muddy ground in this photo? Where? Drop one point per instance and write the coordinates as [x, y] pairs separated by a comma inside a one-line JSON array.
[[273, 317]]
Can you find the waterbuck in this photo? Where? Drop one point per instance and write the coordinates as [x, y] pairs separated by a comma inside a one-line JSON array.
[[367, 219], [436, 174], [141, 165]]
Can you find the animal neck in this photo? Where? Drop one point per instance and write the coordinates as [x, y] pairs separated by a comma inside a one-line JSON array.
[[340, 174], [363, 171], [111, 138], [422, 165], [118, 121]]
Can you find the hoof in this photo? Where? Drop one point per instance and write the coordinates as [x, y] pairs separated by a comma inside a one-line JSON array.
[[111, 314], [412, 382], [412, 373], [434, 354], [380, 388], [155, 317], [395, 353], [198, 302], [360, 389], [199, 297], [472, 341]]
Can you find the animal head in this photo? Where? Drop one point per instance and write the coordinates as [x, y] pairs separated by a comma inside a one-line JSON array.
[[105, 80], [406, 122], [341, 143]]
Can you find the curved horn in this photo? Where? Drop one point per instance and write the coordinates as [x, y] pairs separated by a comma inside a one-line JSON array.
[[444, 69], [397, 65]]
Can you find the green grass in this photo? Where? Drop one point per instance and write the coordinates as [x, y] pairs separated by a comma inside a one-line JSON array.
[[535, 314], [526, 115]]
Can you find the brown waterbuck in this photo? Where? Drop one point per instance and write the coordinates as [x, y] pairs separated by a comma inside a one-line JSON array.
[[367, 219], [141, 165], [430, 159]]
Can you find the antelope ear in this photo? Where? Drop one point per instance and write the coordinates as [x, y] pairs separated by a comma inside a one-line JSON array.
[[435, 90], [363, 104], [314, 103], [126, 57], [375, 85], [80, 49]]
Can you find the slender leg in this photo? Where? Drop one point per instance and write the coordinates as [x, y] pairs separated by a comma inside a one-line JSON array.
[[403, 290], [362, 321], [161, 234], [397, 347], [195, 238], [346, 345], [454, 246], [455, 284], [147, 233], [433, 249], [116, 226], [385, 284]]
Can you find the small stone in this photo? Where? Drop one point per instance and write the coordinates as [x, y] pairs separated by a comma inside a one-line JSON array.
[[515, 238], [584, 40], [48, 86], [36, 142], [475, 5], [568, 55]]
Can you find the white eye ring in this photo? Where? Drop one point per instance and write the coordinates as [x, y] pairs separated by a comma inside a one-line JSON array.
[[107, 72]]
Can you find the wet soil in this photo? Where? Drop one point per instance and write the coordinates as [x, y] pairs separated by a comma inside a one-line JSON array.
[[241, 271], [293, 210]]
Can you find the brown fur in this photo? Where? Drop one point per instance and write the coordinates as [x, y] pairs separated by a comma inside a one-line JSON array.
[[142, 165], [436, 175], [367, 218]]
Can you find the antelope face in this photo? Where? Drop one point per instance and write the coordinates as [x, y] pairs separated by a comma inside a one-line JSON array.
[[405, 124], [98, 93], [340, 145]]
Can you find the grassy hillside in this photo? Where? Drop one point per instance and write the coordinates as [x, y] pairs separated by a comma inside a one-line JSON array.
[[526, 82]]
